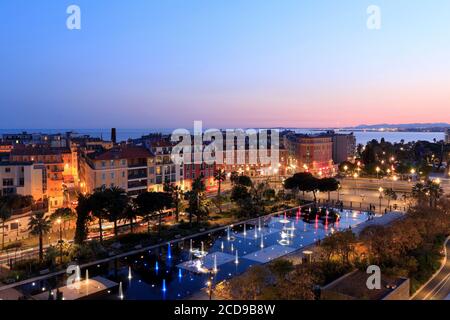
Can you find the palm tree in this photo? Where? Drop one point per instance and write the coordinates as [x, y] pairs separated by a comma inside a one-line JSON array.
[[434, 191], [219, 176], [97, 204], [198, 204], [131, 213], [39, 225], [5, 214], [176, 192], [419, 192], [83, 209]]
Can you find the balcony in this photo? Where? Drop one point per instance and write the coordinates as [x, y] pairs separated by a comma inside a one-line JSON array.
[[137, 184], [137, 165], [135, 176]]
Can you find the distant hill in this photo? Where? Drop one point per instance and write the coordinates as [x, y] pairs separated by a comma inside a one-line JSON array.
[[402, 126]]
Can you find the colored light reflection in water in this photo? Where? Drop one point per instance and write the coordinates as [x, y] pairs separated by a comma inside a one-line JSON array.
[[169, 252], [181, 282]]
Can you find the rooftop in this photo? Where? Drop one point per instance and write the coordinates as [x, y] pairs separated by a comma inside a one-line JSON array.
[[37, 150], [121, 152], [354, 285], [15, 163]]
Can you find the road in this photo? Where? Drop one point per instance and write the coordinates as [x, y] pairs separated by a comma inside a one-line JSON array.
[[438, 288]]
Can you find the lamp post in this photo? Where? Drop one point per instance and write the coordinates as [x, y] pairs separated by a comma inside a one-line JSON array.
[[356, 182], [17, 222], [209, 283], [381, 196], [59, 221], [378, 171]]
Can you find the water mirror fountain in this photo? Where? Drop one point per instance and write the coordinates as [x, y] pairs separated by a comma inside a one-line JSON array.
[[121, 291], [179, 269]]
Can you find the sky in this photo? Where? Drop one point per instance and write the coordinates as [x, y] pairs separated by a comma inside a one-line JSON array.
[[228, 63]]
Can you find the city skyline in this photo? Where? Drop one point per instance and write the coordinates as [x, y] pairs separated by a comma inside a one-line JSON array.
[[164, 65]]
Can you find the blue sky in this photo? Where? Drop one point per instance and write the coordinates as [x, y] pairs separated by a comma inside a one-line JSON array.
[[251, 63]]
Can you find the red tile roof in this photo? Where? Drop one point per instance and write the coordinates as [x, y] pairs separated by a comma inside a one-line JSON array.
[[37, 150], [121, 152]]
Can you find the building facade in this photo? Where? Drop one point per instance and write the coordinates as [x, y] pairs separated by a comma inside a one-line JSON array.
[[61, 166], [344, 146], [128, 167], [24, 178]]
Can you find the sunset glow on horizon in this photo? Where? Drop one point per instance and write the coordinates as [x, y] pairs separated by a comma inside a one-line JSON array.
[[291, 63]]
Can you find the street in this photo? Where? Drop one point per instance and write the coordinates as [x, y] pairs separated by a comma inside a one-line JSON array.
[[438, 288]]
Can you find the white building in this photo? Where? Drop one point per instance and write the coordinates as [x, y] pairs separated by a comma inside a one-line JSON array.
[[24, 178]]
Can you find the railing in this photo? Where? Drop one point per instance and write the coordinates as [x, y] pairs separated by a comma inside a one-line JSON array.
[[137, 176]]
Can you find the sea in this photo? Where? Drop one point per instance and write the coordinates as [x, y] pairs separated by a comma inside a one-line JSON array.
[[124, 134]]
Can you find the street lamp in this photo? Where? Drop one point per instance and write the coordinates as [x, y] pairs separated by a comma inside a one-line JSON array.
[[59, 221], [378, 171], [209, 284], [17, 222], [381, 196], [355, 175]]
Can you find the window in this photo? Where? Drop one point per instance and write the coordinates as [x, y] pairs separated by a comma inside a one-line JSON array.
[[8, 182], [112, 175], [103, 163], [124, 162], [103, 176], [112, 163], [123, 174], [7, 170]]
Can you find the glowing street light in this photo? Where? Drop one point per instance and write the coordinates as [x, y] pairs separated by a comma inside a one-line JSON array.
[[381, 196], [59, 222]]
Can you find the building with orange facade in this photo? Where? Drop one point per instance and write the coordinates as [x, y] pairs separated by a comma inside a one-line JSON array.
[[131, 168], [312, 153], [61, 165]]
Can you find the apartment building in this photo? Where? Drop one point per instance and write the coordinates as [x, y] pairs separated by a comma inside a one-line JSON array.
[[60, 164], [165, 170], [311, 153], [24, 178], [344, 146], [131, 168], [447, 136]]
